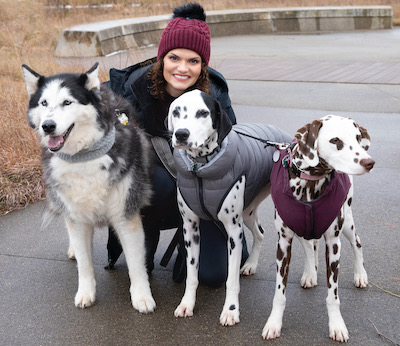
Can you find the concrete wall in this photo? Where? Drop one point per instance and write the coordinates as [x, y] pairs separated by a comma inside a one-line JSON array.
[[103, 38]]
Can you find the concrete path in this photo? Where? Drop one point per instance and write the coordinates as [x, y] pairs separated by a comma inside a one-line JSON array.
[[38, 282]]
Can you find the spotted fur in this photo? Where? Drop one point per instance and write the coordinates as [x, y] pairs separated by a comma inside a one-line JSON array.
[[197, 126], [332, 143]]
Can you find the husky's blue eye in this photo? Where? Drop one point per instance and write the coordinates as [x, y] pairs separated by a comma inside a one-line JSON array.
[[44, 103], [67, 103]]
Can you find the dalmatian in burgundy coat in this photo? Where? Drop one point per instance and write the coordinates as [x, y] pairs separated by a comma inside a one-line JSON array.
[[323, 147]]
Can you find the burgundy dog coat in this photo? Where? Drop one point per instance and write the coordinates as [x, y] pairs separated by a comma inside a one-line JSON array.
[[309, 220]]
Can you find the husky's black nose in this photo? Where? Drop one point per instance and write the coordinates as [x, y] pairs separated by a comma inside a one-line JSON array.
[[49, 126], [182, 134]]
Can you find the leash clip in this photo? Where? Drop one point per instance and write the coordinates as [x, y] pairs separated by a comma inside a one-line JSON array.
[[280, 146]]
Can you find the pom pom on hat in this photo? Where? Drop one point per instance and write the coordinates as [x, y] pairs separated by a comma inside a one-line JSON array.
[[187, 29]]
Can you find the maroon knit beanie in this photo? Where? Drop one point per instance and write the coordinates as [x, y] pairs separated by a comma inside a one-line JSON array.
[[187, 29]]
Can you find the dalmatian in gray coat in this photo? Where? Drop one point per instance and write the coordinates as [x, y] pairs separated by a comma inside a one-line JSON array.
[[324, 147]]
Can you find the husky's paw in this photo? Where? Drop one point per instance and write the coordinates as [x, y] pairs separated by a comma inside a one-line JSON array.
[[308, 280], [85, 298], [361, 279], [249, 268], [272, 330], [184, 310], [338, 331], [143, 304], [71, 253], [229, 317]]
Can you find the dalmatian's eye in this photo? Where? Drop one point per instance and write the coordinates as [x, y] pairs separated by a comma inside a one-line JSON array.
[[44, 103], [338, 142], [202, 113], [176, 112], [67, 103]]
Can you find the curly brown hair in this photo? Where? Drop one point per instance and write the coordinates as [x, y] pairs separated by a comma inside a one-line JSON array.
[[158, 86]]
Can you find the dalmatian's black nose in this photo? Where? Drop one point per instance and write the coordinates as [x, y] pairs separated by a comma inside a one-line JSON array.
[[182, 134], [49, 126]]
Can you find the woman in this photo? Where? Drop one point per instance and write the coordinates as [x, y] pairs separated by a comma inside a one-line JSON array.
[[151, 86]]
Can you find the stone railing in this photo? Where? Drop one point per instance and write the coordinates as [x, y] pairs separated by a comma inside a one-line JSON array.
[[104, 38]]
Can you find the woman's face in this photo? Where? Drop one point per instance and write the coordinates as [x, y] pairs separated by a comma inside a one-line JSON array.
[[182, 68]]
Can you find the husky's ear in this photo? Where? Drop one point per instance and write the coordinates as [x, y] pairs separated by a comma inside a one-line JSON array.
[[307, 138], [31, 79], [92, 77]]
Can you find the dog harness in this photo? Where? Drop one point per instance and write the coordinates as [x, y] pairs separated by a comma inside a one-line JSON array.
[[311, 219], [204, 189]]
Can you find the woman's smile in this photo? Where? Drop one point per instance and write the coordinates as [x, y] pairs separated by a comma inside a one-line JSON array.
[[181, 77]]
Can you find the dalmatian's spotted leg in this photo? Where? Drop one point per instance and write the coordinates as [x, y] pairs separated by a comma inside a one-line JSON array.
[[337, 328], [231, 216], [272, 328], [309, 278], [250, 218], [310, 247], [360, 274], [191, 236]]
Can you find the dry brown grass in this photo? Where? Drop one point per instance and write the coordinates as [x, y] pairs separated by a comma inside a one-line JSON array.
[[29, 34]]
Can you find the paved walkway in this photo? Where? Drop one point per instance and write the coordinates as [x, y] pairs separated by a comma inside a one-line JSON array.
[[326, 71], [360, 57], [38, 282]]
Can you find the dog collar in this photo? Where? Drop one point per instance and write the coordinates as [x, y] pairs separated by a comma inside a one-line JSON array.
[[302, 175], [99, 149], [200, 161], [288, 162]]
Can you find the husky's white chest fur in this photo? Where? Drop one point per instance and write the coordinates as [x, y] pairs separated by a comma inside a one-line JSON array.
[[86, 190], [83, 188]]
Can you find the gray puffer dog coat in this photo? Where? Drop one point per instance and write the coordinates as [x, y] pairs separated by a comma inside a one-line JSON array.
[[205, 189]]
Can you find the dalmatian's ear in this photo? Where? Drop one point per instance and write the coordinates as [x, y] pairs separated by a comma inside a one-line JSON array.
[[174, 110], [307, 138], [168, 122], [364, 139], [222, 122]]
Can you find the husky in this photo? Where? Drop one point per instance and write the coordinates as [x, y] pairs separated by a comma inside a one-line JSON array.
[[96, 167]]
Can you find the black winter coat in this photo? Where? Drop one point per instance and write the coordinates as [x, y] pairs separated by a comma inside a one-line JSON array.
[[133, 84]]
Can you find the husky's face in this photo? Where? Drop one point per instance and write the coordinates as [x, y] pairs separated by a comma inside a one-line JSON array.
[[63, 109]]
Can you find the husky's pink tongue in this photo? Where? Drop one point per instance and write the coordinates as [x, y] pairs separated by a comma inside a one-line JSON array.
[[55, 141]]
